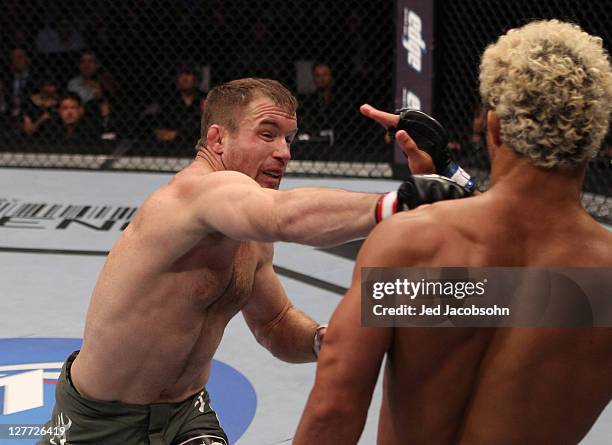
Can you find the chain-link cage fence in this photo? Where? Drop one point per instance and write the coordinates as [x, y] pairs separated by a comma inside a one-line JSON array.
[[464, 29], [121, 85], [134, 75]]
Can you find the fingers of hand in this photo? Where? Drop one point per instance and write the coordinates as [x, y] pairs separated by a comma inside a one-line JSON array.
[[406, 142], [383, 118], [366, 109]]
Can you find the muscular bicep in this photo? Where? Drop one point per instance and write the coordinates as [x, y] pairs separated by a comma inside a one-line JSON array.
[[236, 206]]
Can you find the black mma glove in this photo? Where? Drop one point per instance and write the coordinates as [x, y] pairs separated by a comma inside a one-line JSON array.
[[431, 137], [417, 190]]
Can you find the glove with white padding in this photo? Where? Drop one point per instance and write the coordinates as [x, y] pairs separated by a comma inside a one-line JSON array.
[[418, 190]]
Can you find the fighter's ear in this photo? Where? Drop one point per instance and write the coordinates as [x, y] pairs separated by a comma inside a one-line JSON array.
[[215, 138], [493, 128]]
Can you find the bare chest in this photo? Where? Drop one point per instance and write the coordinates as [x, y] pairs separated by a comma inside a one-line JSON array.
[[220, 280]]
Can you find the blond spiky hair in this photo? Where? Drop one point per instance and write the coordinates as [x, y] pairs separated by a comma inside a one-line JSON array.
[[550, 84]]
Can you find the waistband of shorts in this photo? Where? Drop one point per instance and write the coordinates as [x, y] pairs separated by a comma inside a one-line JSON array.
[[97, 404]]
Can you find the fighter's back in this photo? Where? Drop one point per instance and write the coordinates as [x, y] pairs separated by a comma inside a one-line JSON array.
[[487, 385]]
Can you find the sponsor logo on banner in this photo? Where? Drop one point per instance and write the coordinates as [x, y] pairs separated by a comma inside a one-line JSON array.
[[30, 367], [412, 39], [410, 99], [17, 214], [414, 64]]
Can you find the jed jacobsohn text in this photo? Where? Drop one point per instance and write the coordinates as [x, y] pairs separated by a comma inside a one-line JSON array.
[[440, 309], [486, 296], [414, 289]]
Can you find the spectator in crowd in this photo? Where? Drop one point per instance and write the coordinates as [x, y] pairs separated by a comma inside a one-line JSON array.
[[477, 132], [59, 37], [258, 54], [177, 124], [101, 112], [41, 106], [91, 75], [479, 126], [321, 110], [72, 130], [470, 152], [18, 85]]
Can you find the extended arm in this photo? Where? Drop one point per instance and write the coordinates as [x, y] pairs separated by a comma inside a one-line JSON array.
[[235, 205]]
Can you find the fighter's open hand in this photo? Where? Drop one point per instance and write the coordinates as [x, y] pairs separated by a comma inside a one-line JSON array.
[[419, 162]]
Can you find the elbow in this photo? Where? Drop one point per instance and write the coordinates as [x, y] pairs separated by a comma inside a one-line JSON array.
[[327, 411], [324, 408], [262, 335], [266, 337]]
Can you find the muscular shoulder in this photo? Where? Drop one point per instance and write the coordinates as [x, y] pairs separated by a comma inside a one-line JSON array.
[[439, 234], [187, 187], [594, 248], [188, 184], [406, 239]]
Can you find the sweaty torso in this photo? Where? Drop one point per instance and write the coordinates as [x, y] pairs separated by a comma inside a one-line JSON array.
[[159, 309], [500, 385]]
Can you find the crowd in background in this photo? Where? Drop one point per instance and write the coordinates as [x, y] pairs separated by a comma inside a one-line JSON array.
[[93, 73], [88, 75]]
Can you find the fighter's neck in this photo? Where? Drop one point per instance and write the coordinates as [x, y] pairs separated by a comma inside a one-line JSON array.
[[210, 160], [515, 176]]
